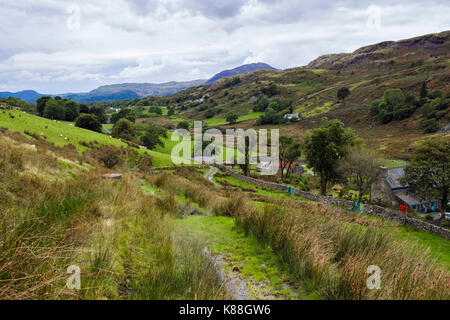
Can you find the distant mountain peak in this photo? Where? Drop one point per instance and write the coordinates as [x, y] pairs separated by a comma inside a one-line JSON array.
[[25, 95], [240, 70]]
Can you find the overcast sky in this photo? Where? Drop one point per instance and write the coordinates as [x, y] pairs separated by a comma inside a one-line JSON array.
[[57, 46]]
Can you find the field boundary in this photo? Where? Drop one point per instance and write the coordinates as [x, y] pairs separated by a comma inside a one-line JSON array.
[[368, 208]]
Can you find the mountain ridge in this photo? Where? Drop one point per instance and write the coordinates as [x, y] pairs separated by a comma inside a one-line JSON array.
[[111, 92], [373, 56], [25, 95]]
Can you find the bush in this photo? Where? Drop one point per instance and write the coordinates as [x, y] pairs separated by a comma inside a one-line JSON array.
[[261, 105], [183, 125], [210, 113], [437, 93], [270, 116], [231, 117], [156, 110], [154, 136], [108, 156], [271, 90], [89, 122], [393, 97], [430, 126], [146, 163], [126, 113]]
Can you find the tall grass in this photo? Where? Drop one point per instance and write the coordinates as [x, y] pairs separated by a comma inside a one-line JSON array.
[[332, 255], [53, 217], [192, 186]]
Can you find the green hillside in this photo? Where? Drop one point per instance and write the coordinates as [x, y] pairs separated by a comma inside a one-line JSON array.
[[312, 90], [57, 131]]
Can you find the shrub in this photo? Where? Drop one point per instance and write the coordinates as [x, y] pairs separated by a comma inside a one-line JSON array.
[[126, 113], [146, 163], [437, 93], [343, 93], [155, 109], [271, 90], [231, 117], [262, 104], [210, 113], [108, 156], [430, 126], [270, 116], [183, 125]]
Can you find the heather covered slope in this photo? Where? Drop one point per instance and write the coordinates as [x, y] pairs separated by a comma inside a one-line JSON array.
[[367, 72]]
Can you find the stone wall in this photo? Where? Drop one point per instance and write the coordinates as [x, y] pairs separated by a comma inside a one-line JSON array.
[[179, 166], [369, 209]]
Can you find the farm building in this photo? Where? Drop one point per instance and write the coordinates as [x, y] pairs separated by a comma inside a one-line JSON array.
[[387, 190], [295, 168], [292, 116]]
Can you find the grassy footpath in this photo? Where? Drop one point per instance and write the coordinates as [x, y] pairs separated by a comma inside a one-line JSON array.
[[328, 251], [257, 266]]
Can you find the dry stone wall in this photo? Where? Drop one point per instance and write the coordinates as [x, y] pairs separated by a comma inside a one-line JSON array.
[[369, 209]]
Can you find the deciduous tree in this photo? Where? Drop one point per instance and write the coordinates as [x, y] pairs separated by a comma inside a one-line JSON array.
[[429, 171], [343, 93], [290, 151], [89, 122], [154, 136], [325, 147], [361, 165], [231, 117]]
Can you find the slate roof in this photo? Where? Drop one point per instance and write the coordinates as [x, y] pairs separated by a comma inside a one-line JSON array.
[[409, 198], [393, 178]]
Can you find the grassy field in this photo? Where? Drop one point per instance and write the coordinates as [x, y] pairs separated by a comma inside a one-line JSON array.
[[439, 247], [224, 153], [217, 121], [54, 131], [229, 180], [57, 131]]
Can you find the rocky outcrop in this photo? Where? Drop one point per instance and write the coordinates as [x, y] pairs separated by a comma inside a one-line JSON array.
[[383, 53]]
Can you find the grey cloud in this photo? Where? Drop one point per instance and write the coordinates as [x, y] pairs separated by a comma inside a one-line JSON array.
[[162, 40], [215, 9]]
